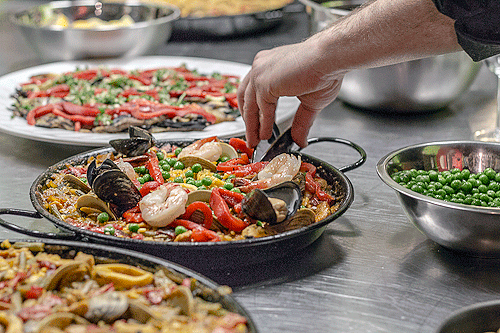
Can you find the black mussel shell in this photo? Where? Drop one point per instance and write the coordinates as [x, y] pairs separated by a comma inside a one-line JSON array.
[[93, 171], [139, 142], [257, 205], [113, 186]]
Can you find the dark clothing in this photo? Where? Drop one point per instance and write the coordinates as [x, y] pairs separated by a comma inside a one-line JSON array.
[[477, 24]]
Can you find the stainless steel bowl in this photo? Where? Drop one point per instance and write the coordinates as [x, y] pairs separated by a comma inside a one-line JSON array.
[[152, 28], [415, 86], [455, 226], [476, 318]]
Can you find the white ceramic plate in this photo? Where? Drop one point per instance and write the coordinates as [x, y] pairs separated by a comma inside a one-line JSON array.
[[18, 127]]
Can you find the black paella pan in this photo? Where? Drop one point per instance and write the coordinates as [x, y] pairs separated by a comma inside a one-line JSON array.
[[200, 256], [203, 286]]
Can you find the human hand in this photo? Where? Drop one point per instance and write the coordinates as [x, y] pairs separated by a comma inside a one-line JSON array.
[[291, 70]]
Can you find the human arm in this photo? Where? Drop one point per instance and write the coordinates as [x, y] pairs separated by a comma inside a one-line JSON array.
[[380, 33]]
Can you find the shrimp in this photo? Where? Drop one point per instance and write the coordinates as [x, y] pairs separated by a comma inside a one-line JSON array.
[[163, 205], [209, 150], [280, 169], [127, 168]]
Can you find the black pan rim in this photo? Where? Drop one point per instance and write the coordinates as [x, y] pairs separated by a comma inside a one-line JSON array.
[[349, 197]]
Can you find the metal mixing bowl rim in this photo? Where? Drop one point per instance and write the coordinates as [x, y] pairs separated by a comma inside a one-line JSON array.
[[387, 179], [176, 13]]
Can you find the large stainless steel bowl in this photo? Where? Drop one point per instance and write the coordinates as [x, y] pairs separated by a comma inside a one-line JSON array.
[[456, 226], [476, 318], [152, 28], [415, 86]]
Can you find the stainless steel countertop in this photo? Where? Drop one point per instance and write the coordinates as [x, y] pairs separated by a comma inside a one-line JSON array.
[[371, 271]]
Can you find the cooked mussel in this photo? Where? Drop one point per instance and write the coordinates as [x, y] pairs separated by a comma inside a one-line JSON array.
[[137, 144], [274, 204], [113, 186]]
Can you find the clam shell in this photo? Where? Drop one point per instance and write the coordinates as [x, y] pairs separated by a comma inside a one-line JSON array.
[[228, 150], [189, 161], [107, 307], [90, 203], [198, 195]]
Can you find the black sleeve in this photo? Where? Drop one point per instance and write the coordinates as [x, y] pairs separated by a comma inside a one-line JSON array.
[[477, 24]]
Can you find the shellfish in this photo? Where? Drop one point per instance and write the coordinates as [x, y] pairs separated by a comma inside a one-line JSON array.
[[137, 144], [274, 204], [113, 186]]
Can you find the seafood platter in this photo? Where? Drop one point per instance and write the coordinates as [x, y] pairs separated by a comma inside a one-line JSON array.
[[60, 286], [204, 204]]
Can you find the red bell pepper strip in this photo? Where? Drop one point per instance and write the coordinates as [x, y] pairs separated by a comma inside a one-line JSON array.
[[38, 112], [221, 211], [133, 215], [34, 292], [245, 170], [232, 198], [311, 185], [149, 187], [153, 165], [204, 208], [240, 145], [199, 233]]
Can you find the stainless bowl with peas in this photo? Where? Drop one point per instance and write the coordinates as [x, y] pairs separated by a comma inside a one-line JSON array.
[[450, 190]]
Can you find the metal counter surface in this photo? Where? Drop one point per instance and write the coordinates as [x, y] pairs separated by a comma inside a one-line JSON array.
[[371, 271]]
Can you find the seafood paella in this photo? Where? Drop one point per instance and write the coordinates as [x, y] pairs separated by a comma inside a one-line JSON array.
[[206, 191], [43, 291], [109, 100]]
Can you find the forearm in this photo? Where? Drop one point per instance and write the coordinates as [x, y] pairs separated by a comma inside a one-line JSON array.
[[384, 32]]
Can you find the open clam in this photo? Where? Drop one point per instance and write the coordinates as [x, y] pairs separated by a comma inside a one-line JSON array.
[[137, 144], [221, 149], [274, 204], [113, 186]]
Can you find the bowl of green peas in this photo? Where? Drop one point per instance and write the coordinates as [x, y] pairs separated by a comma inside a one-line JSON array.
[[450, 190]]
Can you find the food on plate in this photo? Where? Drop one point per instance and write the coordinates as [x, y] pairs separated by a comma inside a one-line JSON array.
[[43, 291], [456, 185], [110, 100], [208, 8], [208, 190]]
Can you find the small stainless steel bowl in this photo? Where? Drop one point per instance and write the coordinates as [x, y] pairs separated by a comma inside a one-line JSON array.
[[477, 318], [414, 86], [152, 28], [455, 226]]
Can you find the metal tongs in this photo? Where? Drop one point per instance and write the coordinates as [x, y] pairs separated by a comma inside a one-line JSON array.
[[283, 143], [266, 150]]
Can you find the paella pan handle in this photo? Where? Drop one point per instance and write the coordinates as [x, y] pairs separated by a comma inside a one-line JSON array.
[[34, 233], [351, 144]]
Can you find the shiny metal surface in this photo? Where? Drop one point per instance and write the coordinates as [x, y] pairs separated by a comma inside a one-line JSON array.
[[153, 28], [455, 226], [415, 86], [371, 271]]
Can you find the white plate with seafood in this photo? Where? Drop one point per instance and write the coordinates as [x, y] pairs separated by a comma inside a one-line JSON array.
[[18, 126]]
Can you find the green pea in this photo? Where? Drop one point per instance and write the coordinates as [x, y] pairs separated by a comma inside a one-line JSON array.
[[166, 167], [490, 173], [147, 178], [465, 174], [223, 159], [191, 181], [198, 183], [160, 155], [201, 188], [235, 189], [180, 230], [466, 186], [165, 175], [140, 169], [493, 185], [228, 186], [484, 179], [179, 179], [216, 175], [482, 188], [178, 165], [109, 230], [177, 151], [196, 167], [433, 175], [189, 173], [206, 181], [103, 217], [456, 184], [172, 161], [141, 180], [134, 227]]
